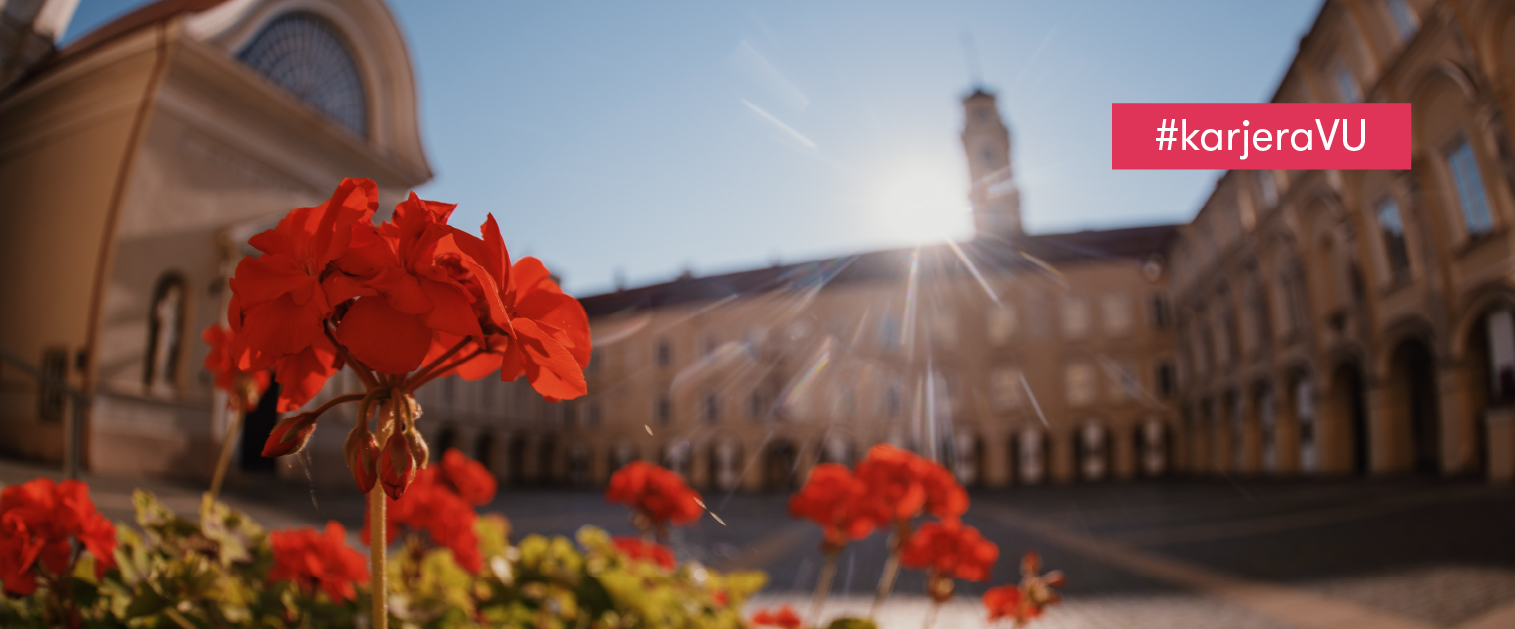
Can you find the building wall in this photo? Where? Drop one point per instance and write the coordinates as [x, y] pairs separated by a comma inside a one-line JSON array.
[[64, 141], [1302, 301], [751, 391]]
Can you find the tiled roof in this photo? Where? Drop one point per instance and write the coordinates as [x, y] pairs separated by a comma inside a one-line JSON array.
[[1131, 244]]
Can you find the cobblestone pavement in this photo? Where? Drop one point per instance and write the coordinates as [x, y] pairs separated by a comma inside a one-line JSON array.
[[1402, 553]]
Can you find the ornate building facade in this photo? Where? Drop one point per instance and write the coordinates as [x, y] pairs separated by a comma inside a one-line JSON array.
[[1360, 322], [136, 162]]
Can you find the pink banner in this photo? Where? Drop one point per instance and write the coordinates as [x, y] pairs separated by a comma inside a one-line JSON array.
[[1256, 136]]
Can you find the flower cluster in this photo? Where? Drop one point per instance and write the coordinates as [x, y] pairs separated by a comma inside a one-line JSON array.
[[441, 504], [395, 302], [223, 570], [949, 550], [902, 485], [890, 489], [39, 520], [839, 502], [656, 495], [1028, 599], [314, 560]]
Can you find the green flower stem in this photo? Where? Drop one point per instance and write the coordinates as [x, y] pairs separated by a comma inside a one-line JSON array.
[[823, 584]]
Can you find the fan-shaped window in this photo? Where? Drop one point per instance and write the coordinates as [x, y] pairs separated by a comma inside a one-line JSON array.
[[305, 55]]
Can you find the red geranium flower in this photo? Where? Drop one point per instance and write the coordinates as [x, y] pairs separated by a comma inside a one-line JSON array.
[[531, 326], [467, 478], [951, 550], [637, 549], [430, 506], [904, 485], [784, 617], [838, 501], [282, 298], [409, 261], [312, 560], [242, 388], [656, 493], [1028, 599], [1005, 602], [37, 520]]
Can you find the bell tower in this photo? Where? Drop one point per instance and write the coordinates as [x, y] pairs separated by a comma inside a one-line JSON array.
[[995, 197]]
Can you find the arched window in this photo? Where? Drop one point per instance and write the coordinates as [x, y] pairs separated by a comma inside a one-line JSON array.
[[165, 333], [304, 54]]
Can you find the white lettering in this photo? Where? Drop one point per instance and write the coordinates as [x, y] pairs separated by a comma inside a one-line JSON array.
[[1309, 139], [1362, 134], [1206, 145], [1326, 139], [1261, 138]]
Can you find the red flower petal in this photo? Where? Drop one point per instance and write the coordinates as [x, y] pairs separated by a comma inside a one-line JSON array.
[[383, 338]]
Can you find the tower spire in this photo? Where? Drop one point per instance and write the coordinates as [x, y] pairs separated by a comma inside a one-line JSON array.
[[995, 197]]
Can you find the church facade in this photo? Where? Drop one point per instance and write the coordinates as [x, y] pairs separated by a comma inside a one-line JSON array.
[[136, 163]]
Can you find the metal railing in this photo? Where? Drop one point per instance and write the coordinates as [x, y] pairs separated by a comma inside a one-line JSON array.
[[73, 422]]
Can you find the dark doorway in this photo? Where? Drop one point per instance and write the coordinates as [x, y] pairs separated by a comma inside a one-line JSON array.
[[547, 453], [1413, 376], [515, 463], [483, 451], [1351, 408], [256, 427], [778, 466], [447, 439]]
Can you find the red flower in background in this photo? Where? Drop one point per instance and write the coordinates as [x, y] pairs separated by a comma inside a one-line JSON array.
[[37, 521], [903, 485], [951, 550], [432, 506], [314, 560], [467, 478], [784, 617], [638, 550], [656, 493], [1005, 602], [838, 501], [243, 388], [1030, 598]]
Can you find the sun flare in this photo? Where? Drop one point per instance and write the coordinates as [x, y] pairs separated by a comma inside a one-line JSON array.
[[920, 201]]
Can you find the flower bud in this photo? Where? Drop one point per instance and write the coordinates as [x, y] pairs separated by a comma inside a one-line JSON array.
[[940, 588], [1056, 579], [1031, 563], [396, 466], [362, 452], [290, 435], [418, 449]]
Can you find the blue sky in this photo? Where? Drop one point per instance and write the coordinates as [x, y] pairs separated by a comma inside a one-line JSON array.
[[643, 138]]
